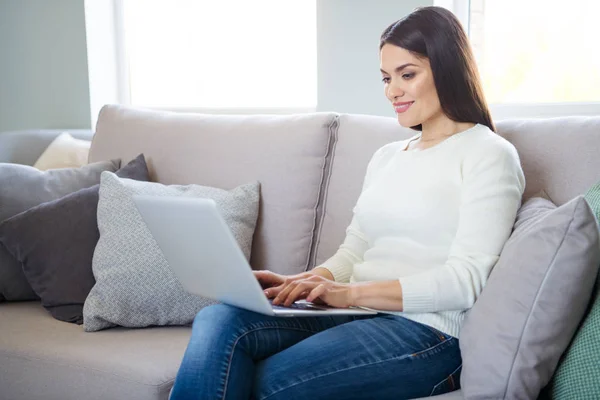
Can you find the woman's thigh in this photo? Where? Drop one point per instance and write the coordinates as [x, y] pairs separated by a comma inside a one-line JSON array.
[[225, 344], [222, 327], [386, 357]]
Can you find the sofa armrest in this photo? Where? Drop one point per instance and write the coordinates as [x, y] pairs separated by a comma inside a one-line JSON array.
[[26, 146]]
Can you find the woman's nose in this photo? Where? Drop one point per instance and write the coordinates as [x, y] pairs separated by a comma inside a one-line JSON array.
[[394, 92]]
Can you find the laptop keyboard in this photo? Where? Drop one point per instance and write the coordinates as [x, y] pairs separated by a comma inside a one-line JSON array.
[[301, 305]]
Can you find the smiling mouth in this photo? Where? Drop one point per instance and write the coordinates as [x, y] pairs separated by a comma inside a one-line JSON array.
[[402, 107]]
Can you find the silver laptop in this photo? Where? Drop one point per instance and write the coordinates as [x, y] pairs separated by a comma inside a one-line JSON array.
[[204, 255]]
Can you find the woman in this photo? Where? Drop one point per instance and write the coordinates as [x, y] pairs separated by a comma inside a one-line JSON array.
[[431, 220]]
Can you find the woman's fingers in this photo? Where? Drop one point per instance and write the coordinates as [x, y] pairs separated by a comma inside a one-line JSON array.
[[293, 289], [273, 291], [268, 278], [284, 295], [316, 292], [299, 292]]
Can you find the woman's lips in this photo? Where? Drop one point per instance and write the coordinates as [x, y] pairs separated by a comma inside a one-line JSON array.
[[402, 107]]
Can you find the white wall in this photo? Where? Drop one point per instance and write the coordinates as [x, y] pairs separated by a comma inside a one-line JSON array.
[[348, 34], [43, 65], [44, 80]]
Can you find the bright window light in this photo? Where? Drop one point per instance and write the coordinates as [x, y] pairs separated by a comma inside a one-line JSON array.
[[537, 51], [221, 53]]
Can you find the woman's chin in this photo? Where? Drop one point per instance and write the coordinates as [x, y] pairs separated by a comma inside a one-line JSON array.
[[405, 122]]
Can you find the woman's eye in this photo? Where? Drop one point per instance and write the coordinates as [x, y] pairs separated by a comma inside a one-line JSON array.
[[408, 76], [385, 79]]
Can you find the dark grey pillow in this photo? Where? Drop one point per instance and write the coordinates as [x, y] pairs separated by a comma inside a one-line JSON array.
[[55, 243], [24, 187]]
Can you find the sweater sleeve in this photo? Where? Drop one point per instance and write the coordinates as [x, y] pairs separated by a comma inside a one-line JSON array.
[[341, 264], [493, 184], [351, 251]]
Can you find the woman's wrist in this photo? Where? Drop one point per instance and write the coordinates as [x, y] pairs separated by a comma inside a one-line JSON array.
[[324, 272], [381, 295], [356, 293]]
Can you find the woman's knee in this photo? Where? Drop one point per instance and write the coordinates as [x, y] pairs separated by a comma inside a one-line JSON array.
[[222, 315]]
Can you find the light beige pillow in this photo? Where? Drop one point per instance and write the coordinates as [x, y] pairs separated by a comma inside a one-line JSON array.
[[64, 152]]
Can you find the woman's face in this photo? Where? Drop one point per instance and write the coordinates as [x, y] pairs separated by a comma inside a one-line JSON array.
[[409, 86]]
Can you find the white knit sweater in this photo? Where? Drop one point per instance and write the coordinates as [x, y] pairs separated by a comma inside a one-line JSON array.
[[436, 220]]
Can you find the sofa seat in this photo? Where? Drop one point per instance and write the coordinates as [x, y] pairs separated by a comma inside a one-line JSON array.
[[49, 359], [55, 360]]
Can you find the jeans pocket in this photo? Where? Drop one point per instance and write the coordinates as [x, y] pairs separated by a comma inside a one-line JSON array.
[[441, 335], [448, 384]]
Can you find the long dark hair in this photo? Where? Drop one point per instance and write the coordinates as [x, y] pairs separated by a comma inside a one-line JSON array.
[[435, 33]]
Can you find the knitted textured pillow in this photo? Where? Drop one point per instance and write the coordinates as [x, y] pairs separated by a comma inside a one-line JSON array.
[[578, 374], [134, 286]]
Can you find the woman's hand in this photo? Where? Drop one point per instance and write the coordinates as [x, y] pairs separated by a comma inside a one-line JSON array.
[[316, 288], [273, 283]]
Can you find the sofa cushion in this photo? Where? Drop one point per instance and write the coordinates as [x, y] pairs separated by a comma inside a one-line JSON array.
[[287, 154], [64, 152], [536, 295], [55, 241], [26, 146], [559, 155], [24, 187], [578, 373], [134, 285], [42, 358]]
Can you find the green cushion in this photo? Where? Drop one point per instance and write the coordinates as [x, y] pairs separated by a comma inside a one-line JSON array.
[[578, 373]]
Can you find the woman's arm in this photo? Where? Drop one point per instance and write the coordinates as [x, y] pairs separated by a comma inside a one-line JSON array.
[[340, 266]]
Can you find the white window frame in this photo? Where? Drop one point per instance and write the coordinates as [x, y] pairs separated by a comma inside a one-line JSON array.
[[109, 72], [461, 8]]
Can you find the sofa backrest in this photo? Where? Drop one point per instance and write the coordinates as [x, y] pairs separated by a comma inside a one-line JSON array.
[[559, 155], [311, 166], [286, 154]]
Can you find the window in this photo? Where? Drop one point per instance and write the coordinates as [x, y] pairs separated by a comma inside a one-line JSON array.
[[190, 54], [537, 53]]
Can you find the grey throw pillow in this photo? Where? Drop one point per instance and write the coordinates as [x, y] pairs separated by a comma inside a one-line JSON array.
[[134, 285], [55, 243], [524, 319], [24, 187]]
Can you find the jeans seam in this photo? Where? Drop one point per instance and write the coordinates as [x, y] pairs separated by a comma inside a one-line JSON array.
[[242, 336], [402, 357], [444, 380]]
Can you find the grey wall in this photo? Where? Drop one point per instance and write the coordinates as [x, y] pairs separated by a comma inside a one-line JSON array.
[[348, 33], [43, 65]]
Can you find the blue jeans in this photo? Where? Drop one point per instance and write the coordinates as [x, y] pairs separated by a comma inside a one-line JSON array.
[[237, 354]]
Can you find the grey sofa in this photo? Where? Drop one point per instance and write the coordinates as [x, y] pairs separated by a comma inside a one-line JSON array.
[[311, 169], [26, 146]]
